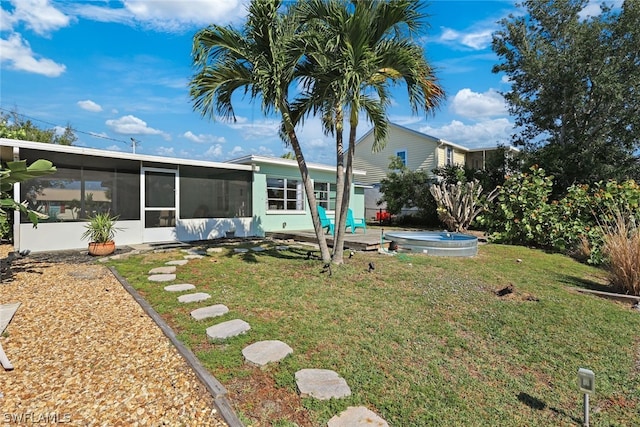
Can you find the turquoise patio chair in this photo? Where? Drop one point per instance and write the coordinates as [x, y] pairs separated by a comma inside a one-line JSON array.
[[325, 221], [355, 223]]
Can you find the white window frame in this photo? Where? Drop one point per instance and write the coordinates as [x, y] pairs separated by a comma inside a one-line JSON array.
[[403, 157], [299, 197], [449, 156]]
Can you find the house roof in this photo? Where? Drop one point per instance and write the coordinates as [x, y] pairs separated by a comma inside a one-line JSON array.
[[438, 140], [70, 149], [255, 159]]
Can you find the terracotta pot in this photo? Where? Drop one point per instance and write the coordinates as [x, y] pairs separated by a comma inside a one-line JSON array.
[[102, 249]]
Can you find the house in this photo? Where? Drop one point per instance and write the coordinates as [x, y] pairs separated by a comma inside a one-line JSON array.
[[418, 151], [160, 199]]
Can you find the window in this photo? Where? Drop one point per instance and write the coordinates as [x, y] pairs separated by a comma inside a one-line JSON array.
[[403, 156], [75, 194], [325, 195], [285, 194], [206, 193], [449, 160]]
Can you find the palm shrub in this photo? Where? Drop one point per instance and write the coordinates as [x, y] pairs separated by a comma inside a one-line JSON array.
[[621, 237]]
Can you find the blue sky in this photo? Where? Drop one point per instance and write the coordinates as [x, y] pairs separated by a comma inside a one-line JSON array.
[[119, 70]]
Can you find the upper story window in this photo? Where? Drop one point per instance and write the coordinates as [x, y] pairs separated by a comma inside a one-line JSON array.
[[449, 158], [325, 195], [285, 194], [403, 156]]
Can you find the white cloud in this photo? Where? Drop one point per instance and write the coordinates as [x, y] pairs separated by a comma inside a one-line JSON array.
[[131, 125], [236, 151], [166, 151], [18, 54], [114, 148], [167, 15], [214, 152], [476, 105], [260, 129], [475, 39], [90, 106], [481, 134], [203, 138], [38, 15]]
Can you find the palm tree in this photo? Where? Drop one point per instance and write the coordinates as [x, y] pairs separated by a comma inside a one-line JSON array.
[[361, 48], [261, 60]]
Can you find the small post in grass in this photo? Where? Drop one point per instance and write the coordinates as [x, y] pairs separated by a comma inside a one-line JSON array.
[[587, 385]]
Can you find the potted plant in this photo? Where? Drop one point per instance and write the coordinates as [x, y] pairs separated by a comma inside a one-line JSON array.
[[100, 231]]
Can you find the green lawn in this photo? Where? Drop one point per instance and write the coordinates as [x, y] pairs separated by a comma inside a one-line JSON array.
[[420, 340]]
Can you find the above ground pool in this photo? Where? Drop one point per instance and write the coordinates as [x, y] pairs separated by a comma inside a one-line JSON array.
[[437, 243]]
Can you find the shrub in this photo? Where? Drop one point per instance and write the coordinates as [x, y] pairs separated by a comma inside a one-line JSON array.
[[621, 247]]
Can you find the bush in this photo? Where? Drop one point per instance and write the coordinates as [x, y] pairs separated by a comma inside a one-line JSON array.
[[622, 250]]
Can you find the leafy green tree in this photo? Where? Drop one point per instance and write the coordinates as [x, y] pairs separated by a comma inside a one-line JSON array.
[[260, 59], [13, 126], [356, 51], [575, 88], [404, 188]]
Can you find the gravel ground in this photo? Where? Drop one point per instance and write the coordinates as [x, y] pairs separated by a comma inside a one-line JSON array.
[[85, 353]]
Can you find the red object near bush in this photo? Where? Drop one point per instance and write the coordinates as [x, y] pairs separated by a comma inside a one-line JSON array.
[[383, 216]]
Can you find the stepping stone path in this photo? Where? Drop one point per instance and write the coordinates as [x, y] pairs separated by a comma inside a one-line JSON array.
[[357, 417], [180, 288], [197, 297], [227, 329], [322, 384], [263, 352], [162, 277], [169, 269], [211, 311], [177, 262]]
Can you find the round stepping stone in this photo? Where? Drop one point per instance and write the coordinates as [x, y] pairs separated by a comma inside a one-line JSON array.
[[227, 329], [179, 288], [258, 249], [193, 256], [241, 250], [322, 384], [357, 417], [167, 269], [162, 277], [177, 262], [214, 250], [198, 296], [211, 311], [263, 352]]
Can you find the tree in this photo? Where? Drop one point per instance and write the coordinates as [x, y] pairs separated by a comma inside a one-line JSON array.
[[358, 50], [575, 88], [261, 60], [13, 126], [404, 188]]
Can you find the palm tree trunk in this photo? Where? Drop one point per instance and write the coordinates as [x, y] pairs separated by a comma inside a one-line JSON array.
[[338, 237], [308, 187]]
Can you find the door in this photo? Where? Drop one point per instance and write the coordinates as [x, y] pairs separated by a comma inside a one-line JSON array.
[[159, 210]]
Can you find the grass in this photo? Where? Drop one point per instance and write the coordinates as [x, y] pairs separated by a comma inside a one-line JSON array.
[[421, 340]]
